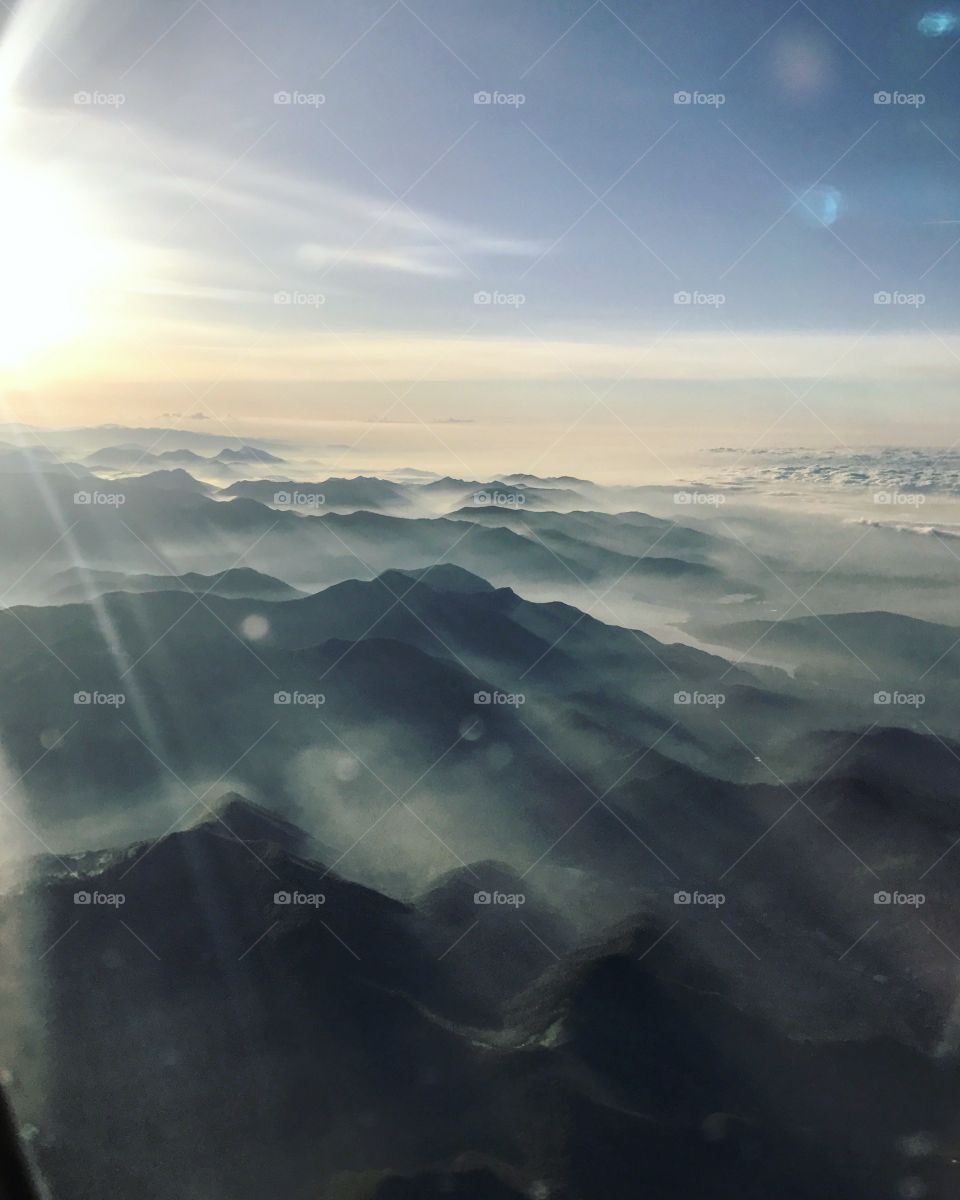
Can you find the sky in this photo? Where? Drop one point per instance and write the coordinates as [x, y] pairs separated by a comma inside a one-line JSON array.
[[719, 220]]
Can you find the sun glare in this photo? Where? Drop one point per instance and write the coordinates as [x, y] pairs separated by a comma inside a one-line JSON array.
[[53, 262]]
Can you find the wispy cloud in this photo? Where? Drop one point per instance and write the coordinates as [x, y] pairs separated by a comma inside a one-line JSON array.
[[411, 260]]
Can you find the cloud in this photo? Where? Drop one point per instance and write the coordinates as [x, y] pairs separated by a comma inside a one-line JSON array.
[[903, 471], [203, 238], [206, 241], [412, 260], [206, 351], [944, 531]]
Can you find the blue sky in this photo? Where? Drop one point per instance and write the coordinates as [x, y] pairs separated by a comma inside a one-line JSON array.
[[782, 198]]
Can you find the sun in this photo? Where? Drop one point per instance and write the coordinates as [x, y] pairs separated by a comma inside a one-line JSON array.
[[53, 262]]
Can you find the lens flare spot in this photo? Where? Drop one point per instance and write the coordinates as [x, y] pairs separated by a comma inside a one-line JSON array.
[[499, 756], [471, 729], [346, 768], [802, 66], [937, 24], [254, 628], [823, 205]]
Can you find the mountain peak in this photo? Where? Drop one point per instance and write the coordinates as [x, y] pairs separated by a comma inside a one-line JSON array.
[[246, 454], [443, 577], [169, 477], [250, 822], [490, 889]]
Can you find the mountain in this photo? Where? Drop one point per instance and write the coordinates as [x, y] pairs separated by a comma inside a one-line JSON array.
[[446, 577], [552, 481], [175, 479], [499, 494], [513, 930], [507, 718], [119, 457], [657, 1045], [656, 557], [76, 584], [449, 483], [263, 1025], [894, 791], [183, 457], [251, 824], [246, 454], [30, 463], [329, 494], [355, 850], [210, 937], [889, 647], [627, 533], [129, 526], [399, 660], [182, 663]]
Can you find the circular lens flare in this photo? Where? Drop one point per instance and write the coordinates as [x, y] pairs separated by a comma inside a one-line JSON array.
[[822, 205], [937, 24]]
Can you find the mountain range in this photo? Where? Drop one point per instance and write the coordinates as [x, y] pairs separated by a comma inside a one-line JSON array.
[[402, 836], [272, 1026]]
